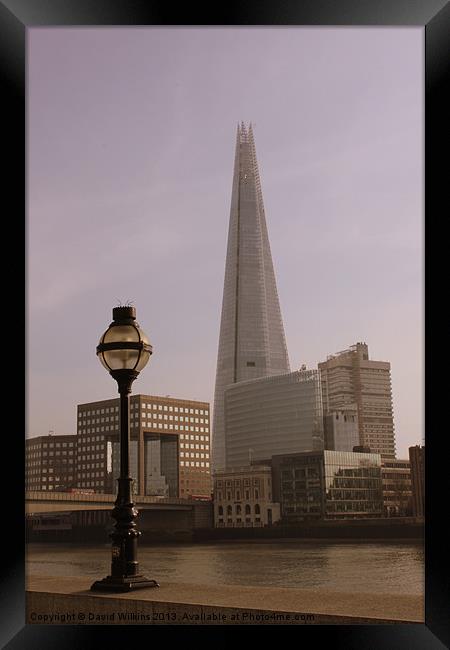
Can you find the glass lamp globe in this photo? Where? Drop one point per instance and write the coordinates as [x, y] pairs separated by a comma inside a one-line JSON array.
[[124, 345]]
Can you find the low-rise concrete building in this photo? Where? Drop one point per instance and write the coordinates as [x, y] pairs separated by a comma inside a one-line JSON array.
[[243, 497]]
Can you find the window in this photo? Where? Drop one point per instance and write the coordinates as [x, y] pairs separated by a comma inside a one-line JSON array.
[[257, 510], [247, 509]]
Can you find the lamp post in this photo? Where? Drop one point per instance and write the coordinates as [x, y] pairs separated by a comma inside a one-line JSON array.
[[124, 350]]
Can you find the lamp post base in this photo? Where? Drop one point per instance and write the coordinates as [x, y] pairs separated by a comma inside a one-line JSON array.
[[123, 583]]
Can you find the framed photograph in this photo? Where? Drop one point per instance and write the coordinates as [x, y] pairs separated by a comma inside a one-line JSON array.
[[245, 193]]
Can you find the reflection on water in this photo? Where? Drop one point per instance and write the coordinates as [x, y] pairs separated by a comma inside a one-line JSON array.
[[381, 567]]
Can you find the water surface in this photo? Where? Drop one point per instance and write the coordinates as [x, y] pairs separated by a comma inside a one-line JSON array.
[[379, 567]]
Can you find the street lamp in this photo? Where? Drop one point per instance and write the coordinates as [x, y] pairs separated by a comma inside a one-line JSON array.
[[124, 350]]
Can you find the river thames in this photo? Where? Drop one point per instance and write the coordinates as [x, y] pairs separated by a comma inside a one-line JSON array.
[[365, 567]]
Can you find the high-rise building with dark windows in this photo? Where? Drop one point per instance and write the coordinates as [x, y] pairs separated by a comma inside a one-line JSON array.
[[251, 341]]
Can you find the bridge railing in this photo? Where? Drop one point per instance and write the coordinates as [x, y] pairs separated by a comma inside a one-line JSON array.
[[54, 496]]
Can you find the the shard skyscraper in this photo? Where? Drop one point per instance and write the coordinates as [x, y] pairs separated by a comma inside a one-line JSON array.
[[251, 340]]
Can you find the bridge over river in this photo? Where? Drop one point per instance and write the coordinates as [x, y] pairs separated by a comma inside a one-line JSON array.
[[74, 515]]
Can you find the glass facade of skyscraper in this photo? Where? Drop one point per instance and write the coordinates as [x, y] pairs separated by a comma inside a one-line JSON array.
[[281, 414]]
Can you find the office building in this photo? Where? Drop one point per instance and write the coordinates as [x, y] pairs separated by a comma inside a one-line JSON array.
[[251, 340], [50, 462], [281, 414], [350, 377], [397, 494], [341, 431], [169, 446], [417, 460], [327, 485], [243, 498]]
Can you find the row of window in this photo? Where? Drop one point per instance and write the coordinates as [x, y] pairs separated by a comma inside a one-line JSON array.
[[248, 521], [134, 425], [57, 461], [237, 482], [90, 474], [191, 445], [89, 465], [107, 409], [175, 418], [57, 452], [170, 409], [50, 445], [238, 510], [50, 487], [134, 406], [237, 495], [84, 448], [187, 463], [99, 420], [51, 470]]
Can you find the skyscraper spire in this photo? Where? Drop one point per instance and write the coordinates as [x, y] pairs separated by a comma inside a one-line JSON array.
[[251, 340]]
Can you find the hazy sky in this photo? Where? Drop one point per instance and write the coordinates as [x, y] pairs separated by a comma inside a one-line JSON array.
[[131, 136]]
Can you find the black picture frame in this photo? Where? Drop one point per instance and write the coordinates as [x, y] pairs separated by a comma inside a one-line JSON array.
[[16, 16]]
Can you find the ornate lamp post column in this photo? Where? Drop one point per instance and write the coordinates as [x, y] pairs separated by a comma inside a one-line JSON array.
[[124, 350]]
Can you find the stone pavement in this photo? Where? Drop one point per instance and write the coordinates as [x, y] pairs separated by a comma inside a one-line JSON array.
[[62, 600]]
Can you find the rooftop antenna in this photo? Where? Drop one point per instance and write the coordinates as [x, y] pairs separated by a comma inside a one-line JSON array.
[[128, 303]]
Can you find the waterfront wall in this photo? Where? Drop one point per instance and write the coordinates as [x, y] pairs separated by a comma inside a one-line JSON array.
[[68, 600], [352, 529]]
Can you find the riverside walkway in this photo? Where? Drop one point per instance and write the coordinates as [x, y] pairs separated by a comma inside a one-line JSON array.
[[68, 600]]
